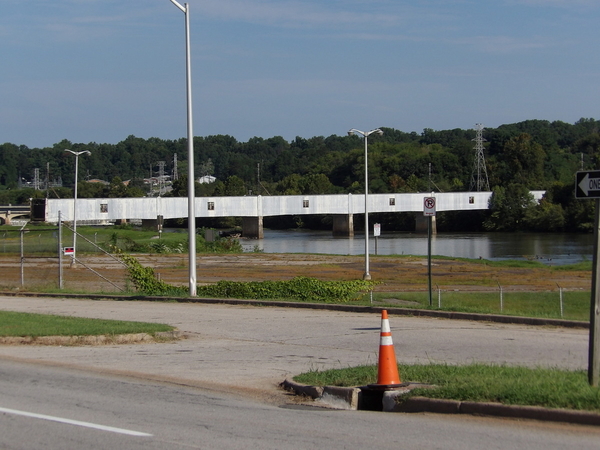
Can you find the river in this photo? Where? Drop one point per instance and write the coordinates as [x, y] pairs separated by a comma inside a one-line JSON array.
[[549, 248]]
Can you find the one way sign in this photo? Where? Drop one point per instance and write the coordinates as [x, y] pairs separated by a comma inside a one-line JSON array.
[[587, 184]]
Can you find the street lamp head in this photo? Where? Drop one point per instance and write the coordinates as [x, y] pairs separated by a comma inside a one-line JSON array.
[[78, 153], [350, 132], [378, 131], [182, 8]]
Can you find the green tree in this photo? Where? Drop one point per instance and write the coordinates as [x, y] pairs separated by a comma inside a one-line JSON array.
[[507, 208], [524, 162], [117, 188], [233, 186], [545, 216]]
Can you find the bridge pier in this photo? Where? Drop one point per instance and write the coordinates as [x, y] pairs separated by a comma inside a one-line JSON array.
[[421, 224], [343, 225], [252, 227]]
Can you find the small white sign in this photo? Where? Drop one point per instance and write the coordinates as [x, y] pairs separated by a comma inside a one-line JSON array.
[[68, 251], [377, 229], [429, 206]]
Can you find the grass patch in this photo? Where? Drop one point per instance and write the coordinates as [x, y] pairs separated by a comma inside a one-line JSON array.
[[42, 239], [550, 388], [576, 304], [36, 325]]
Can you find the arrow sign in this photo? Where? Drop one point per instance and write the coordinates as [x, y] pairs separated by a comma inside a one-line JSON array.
[[587, 184]]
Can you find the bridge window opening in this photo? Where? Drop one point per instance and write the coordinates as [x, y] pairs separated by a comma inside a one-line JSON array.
[[471, 200], [392, 201], [211, 206], [305, 203], [104, 207]]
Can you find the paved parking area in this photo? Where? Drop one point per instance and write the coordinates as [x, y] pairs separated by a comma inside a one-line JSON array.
[[258, 347]]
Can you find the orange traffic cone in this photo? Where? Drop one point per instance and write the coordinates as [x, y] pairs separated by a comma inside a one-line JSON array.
[[387, 370]]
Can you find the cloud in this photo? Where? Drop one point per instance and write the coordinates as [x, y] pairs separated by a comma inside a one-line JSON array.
[[502, 44], [556, 3], [295, 13]]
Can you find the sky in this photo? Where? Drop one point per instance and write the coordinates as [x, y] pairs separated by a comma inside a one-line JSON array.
[[101, 70]]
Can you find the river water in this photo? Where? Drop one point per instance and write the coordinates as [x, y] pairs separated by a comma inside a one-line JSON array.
[[555, 248]]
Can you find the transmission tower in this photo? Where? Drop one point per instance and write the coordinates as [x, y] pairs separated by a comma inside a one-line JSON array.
[[36, 179], [161, 176], [479, 177], [175, 174]]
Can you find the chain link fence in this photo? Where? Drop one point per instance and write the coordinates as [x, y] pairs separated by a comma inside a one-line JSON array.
[[42, 258]]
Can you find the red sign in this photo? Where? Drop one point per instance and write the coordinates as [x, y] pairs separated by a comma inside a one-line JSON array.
[[429, 206]]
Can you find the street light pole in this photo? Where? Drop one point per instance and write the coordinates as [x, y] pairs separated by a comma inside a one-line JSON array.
[[190, 148], [367, 275], [75, 201]]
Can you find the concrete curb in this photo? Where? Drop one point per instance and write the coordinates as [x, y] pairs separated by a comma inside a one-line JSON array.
[[423, 404], [351, 399], [331, 396], [324, 306], [116, 339]]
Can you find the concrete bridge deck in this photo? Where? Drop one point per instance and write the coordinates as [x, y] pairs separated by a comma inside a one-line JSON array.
[[10, 212]]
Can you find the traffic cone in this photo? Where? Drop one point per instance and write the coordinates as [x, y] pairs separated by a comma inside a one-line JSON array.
[[387, 369]]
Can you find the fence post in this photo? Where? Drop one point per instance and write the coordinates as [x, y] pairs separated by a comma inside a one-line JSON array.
[[501, 298], [60, 266], [22, 258], [560, 296]]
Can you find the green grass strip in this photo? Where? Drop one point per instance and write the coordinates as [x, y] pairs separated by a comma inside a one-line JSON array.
[[36, 325], [551, 388]]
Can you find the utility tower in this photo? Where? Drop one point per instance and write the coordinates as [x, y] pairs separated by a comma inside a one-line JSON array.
[[161, 176], [175, 174], [36, 179], [479, 177]]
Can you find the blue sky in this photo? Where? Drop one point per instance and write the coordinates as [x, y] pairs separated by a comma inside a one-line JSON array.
[[100, 70]]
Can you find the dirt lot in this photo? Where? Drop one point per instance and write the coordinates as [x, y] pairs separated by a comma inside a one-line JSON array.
[[96, 273]]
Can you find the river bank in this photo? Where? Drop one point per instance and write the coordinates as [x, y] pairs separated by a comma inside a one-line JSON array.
[[99, 273]]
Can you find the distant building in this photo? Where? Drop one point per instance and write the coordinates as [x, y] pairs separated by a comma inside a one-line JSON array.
[[96, 180], [206, 179]]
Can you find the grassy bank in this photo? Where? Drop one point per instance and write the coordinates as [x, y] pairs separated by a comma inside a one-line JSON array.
[[35, 325], [551, 388], [41, 239], [574, 305]]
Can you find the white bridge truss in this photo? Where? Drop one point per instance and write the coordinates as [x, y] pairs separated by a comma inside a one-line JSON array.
[[113, 209]]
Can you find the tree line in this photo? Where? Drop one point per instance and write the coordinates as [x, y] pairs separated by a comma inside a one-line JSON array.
[[524, 156]]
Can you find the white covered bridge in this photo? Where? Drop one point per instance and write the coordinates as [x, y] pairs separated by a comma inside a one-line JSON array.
[[252, 209]]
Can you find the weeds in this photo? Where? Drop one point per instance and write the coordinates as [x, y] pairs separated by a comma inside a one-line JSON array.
[[547, 387]]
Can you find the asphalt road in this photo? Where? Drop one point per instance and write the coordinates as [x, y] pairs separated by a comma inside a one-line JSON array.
[[258, 347], [181, 392], [61, 409]]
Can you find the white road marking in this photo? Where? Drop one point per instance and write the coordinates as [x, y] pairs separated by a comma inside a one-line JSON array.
[[74, 422]]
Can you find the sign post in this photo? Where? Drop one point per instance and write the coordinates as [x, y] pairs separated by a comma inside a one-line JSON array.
[[587, 186], [429, 211], [376, 233], [594, 357]]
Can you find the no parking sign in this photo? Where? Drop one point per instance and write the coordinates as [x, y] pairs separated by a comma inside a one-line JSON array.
[[429, 206]]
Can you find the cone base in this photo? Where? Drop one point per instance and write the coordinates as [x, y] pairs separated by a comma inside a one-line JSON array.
[[384, 387]]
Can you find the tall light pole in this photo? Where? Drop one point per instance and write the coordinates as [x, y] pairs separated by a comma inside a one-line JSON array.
[[190, 148], [75, 200], [367, 275]]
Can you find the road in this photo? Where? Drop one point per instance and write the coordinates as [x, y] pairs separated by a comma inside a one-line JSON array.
[[90, 411], [247, 351]]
